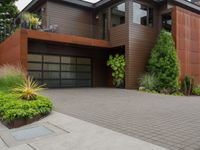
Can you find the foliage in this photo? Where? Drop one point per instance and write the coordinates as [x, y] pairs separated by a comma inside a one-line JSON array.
[[177, 94], [12, 107], [148, 81], [196, 91], [117, 64], [31, 20], [29, 89], [148, 91], [10, 77], [188, 84], [164, 63], [8, 6]]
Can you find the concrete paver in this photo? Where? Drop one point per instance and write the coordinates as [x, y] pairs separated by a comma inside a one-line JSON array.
[[168, 121]]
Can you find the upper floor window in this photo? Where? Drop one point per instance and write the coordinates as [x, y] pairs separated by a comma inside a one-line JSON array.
[[142, 14], [118, 14], [167, 21]]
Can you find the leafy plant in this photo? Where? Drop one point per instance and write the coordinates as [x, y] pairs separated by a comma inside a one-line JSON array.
[[29, 89], [164, 63], [9, 8], [196, 91], [31, 20], [12, 107], [10, 77], [188, 84], [117, 64], [148, 81]]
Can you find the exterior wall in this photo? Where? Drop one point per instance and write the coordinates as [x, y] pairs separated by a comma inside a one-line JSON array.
[[70, 19], [141, 40], [187, 36], [13, 50], [98, 56]]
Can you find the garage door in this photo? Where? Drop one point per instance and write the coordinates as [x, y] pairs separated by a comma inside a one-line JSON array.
[[60, 71]]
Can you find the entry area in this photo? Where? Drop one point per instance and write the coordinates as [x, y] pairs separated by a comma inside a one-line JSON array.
[[58, 71]]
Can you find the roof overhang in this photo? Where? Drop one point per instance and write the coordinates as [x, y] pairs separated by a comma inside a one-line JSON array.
[[188, 4], [100, 3]]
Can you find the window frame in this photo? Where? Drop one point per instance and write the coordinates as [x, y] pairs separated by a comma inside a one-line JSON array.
[[148, 13], [111, 8]]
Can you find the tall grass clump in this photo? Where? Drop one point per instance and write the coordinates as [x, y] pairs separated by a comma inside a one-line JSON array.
[[148, 81], [10, 77]]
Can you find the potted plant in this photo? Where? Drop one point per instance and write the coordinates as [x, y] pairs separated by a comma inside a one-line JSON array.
[[30, 21], [34, 22], [25, 20], [117, 64]]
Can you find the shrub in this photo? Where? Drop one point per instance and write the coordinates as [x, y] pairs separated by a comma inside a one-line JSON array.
[[196, 91], [10, 77], [12, 107], [148, 81], [29, 89], [187, 85], [164, 63], [117, 64]]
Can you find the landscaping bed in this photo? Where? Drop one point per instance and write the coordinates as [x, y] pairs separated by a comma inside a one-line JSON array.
[[20, 104], [16, 112]]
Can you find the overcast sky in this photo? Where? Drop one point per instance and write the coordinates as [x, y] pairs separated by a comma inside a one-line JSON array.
[[22, 3]]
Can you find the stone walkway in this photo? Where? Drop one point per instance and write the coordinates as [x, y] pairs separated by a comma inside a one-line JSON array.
[[67, 133], [168, 121]]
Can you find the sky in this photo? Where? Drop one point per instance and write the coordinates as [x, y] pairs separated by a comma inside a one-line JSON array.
[[22, 3]]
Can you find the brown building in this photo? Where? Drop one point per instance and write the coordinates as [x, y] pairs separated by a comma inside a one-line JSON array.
[[85, 34]]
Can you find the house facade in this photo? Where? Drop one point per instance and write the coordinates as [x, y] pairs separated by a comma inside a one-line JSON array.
[[75, 54]]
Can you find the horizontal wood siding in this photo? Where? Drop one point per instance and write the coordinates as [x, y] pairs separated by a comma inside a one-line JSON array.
[[119, 35], [187, 35], [70, 19], [140, 43]]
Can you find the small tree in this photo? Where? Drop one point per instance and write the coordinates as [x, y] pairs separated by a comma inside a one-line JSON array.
[[117, 64], [164, 63]]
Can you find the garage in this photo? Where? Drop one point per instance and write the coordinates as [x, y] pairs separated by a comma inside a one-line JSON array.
[[58, 71]]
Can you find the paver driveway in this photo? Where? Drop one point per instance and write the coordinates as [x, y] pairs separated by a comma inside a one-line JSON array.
[[168, 121]]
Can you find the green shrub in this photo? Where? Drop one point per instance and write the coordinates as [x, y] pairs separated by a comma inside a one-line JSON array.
[[148, 91], [177, 94], [196, 91], [148, 81], [12, 108], [164, 63], [187, 85], [10, 77], [117, 64]]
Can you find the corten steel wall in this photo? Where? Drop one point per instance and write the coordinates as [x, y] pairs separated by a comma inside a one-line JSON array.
[[187, 36], [14, 50]]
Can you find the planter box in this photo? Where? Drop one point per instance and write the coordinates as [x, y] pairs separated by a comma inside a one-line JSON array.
[[21, 122]]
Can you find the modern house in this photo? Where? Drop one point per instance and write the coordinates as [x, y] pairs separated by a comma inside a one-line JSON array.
[[86, 34]]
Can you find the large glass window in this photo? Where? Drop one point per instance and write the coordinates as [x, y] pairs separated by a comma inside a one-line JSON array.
[[142, 14], [118, 14]]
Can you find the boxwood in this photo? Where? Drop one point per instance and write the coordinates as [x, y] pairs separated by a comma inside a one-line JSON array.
[[13, 108]]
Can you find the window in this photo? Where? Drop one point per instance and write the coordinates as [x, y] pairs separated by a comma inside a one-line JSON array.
[[142, 14], [118, 14], [167, 21]]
